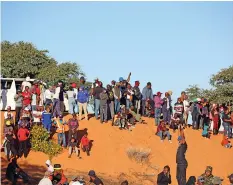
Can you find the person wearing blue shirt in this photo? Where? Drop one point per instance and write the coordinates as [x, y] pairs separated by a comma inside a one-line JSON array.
[[83, 98]]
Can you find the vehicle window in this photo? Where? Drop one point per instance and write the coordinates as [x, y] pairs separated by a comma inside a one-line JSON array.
[[18, 85], [3, 84]]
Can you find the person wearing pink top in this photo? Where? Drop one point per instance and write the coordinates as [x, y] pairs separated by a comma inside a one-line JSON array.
[[158, 104]]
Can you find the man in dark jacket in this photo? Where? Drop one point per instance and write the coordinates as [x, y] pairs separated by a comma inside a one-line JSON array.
[[181, 161], [164, 178], [137, 96], [96, 93]]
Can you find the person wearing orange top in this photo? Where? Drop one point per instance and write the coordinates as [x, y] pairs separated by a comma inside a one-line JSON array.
[[226, 143]]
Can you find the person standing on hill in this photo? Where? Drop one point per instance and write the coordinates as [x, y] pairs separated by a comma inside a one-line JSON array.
[[166, 107], [83, 98], [103, 106], [27, 98], [96, 93], [158, 104], [137, 96], [18, 105], [117, 97], [181, 161], [57, 98], [110, 100], [147, 94]]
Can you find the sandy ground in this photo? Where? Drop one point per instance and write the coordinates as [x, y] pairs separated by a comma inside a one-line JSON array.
[[109, 158]]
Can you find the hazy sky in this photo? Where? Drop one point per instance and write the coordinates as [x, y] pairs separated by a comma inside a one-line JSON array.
[[171, 44]]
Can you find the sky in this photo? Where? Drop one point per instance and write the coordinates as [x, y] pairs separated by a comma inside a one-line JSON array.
[[171, 44]]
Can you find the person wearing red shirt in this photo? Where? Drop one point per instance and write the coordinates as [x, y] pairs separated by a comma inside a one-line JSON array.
[[36, 91], [27, 96], [23, 135], [85, 144]]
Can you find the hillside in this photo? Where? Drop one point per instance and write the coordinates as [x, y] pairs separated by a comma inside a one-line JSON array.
[[109, 159]]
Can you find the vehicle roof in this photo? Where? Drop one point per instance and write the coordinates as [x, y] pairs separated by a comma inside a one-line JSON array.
[[16, 79]]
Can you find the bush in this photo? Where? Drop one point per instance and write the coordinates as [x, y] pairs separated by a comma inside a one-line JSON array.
[[40, 142], [140, 155]]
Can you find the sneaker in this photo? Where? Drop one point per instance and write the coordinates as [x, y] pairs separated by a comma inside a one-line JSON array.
[[170, 141]]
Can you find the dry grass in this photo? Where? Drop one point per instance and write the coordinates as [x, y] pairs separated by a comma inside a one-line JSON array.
[[140, 155]]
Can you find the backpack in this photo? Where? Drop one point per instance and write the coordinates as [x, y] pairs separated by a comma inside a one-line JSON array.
[[111, 95]]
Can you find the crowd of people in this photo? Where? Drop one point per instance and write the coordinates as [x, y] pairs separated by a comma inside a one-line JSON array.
[[121, 103]]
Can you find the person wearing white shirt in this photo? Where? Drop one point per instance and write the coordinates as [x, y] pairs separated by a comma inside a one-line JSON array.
[[129, 96], [8, 112], [46, 180], [48, 96], [71, 100], [186, 109], [26, 83], [49, 166]]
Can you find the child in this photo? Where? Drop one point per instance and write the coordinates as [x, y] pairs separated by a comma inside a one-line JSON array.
[[225, 142], [137, 117], [37, 116], [103, 106], [85, 144], [73, 142], [205, 132], [8, 112], [10, 144], [27, 117], [60, 124], [9, 124], [46, 119]]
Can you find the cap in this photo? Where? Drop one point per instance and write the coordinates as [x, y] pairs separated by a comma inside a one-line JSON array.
[[216, 180], [82, 78], [170, 92], [27, 78], [159, 93], [198, 99], [57, 166], [209, 168], [91, 173], [121, 79], [148, 83]]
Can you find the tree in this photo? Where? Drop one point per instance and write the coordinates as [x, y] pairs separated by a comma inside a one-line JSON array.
[[222, 91], [22, 59]]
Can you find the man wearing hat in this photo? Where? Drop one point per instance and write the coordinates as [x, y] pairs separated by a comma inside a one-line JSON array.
[[26, 83], [147, 95], [94, 179], [58, 176], [207, 176], [158, 105]]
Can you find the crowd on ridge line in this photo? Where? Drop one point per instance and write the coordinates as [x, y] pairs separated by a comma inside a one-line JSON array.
[[125, 107]]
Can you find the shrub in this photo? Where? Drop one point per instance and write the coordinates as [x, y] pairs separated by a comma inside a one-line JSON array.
[[140, 155], [40, 142]]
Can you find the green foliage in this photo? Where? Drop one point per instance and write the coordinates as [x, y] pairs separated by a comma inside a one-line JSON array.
[[222, 91], [40, 142], [22, 59]]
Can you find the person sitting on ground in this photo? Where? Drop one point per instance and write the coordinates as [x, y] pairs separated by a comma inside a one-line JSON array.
[[164, 178], [73, 142], [46, 180], [191, 181], [231, 179], [8, 112], [136, 116], [85, 144], [94, 179], [58, 177], [175, 122], [207, 176], [46, 118], [226, 142], [10, 144], [205, 132], [9, 124], [216, 181], [14, 172], [49, 166], [163, 131], [77, 181]]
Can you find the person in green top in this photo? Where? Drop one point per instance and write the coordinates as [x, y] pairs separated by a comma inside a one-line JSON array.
[[136, 116], [208, 176]]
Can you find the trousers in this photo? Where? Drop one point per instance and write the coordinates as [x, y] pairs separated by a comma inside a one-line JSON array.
[[181, 174]]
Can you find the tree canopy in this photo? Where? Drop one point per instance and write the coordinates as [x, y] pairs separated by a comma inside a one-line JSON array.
[[22, 59], [221, 91]]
